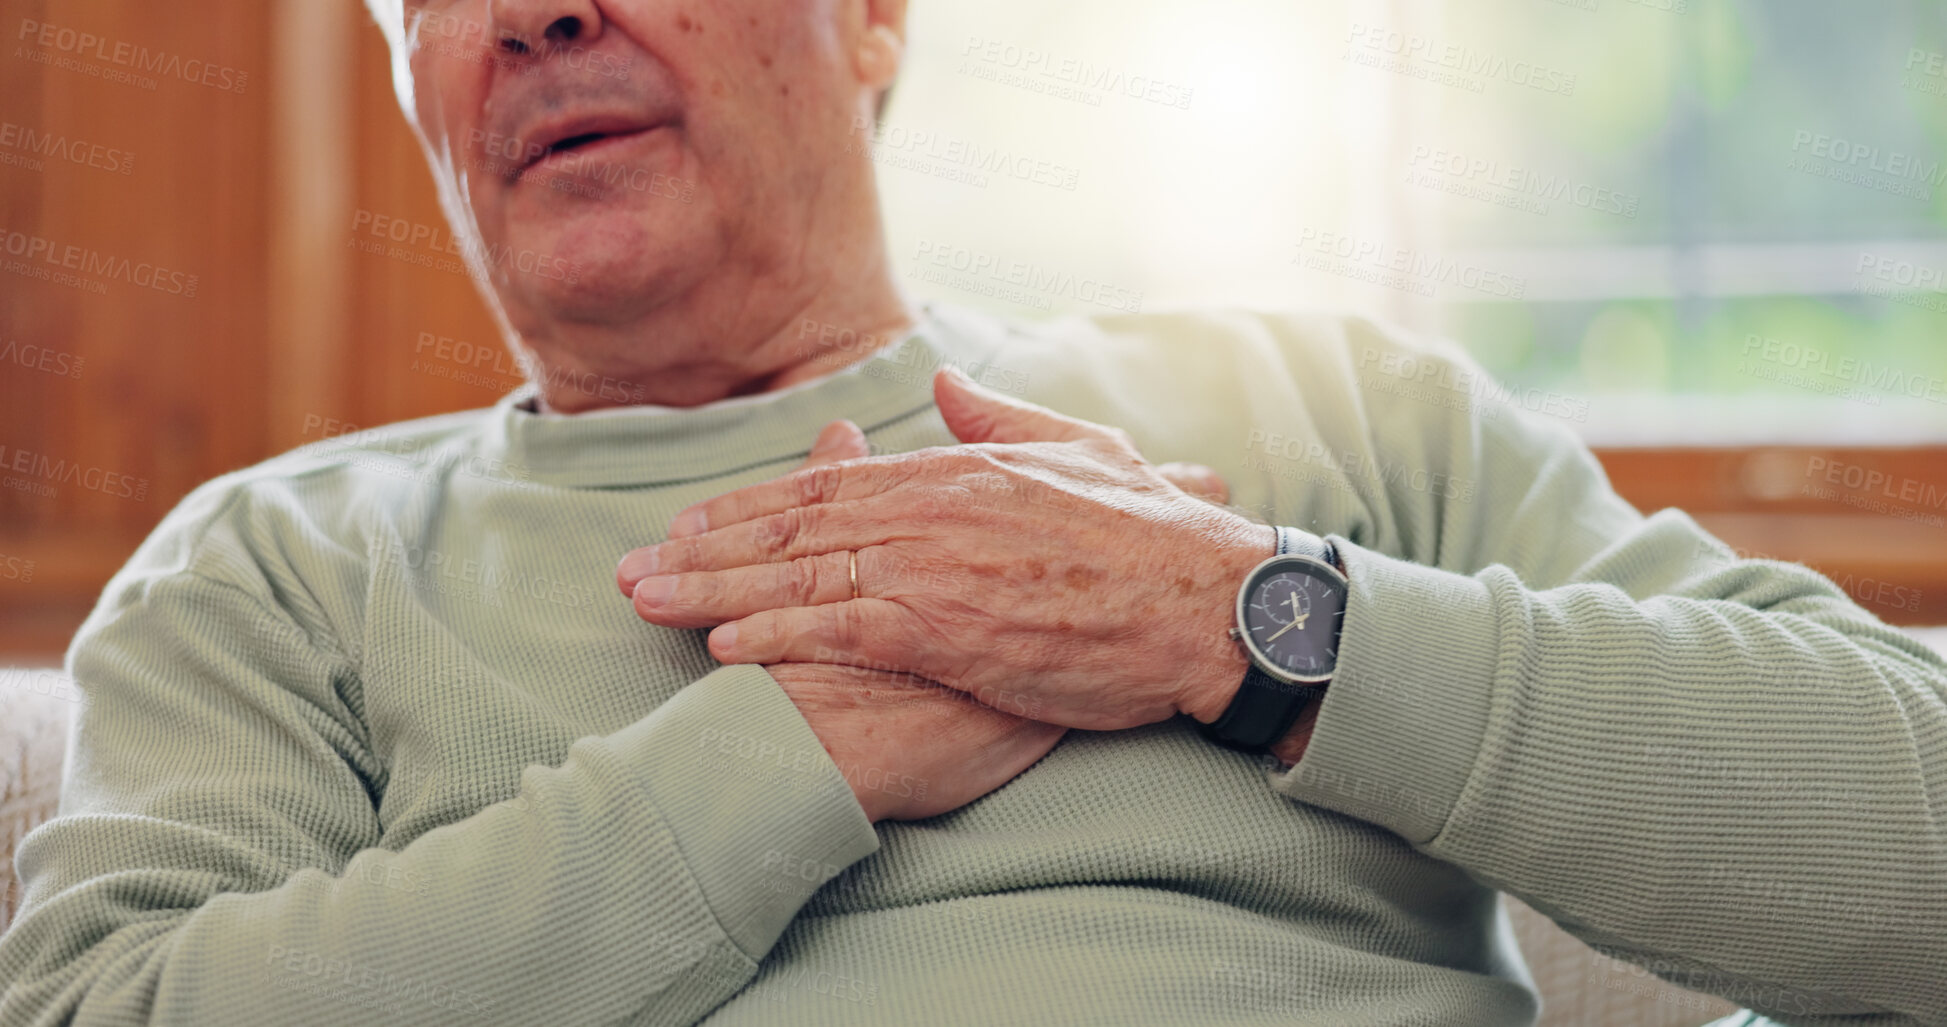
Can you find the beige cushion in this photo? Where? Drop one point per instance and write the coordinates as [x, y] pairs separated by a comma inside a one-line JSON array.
[[1581, 987], [34, 711]]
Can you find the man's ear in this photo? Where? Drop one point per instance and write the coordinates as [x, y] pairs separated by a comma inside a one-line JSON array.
[[882, 44]]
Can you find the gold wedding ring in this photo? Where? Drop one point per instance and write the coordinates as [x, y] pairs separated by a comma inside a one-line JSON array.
[[853, 557]]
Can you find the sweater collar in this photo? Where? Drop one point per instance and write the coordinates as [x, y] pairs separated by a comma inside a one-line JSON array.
[[625, 447]]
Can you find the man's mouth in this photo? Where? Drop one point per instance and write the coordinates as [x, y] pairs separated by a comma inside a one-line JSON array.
[[573, 141], [578, 137]]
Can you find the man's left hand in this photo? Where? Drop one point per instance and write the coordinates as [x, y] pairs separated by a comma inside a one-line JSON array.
[[1044, 567]]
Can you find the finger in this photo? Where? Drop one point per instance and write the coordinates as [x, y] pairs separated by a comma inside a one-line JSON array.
[[813, 485], [978, 414], [860, 633], [707, 598], [795, 533], [1198, 480], [840, 440]]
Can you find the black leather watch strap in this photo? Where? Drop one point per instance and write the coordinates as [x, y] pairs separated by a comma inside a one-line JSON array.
[[1265, 708], [1293, 542]]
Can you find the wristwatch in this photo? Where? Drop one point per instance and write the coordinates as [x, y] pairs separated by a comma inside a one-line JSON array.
[[1289, 612]]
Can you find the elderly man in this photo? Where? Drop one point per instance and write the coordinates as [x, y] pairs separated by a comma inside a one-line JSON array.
[[369, 738]]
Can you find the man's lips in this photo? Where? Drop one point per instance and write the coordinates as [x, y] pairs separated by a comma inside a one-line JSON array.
[[587, 147], [581, 136]]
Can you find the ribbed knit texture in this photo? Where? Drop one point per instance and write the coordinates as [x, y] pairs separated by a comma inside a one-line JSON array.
[[370, 737]]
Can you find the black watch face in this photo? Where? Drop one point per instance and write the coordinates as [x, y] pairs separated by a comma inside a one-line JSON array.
[[1291, 610]]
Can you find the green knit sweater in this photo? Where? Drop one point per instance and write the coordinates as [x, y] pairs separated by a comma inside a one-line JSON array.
[[370, 737]]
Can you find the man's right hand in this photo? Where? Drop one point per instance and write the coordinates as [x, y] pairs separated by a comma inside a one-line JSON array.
[[909, 748]]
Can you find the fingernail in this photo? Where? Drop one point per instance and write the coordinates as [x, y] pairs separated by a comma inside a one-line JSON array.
[[657, 590], [689, 522], [640, 564], [724, 638]]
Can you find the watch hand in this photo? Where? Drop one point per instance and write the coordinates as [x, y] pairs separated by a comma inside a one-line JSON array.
[[1281, 631]]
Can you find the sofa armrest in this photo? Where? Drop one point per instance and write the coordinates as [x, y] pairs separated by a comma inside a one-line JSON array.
[[1580, 987], [35, 706]]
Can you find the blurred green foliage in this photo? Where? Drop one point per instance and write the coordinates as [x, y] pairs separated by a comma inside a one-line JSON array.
[[1713, 115]]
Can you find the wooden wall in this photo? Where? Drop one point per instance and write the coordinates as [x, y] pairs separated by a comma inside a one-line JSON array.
[[163, 387], [123, 397]]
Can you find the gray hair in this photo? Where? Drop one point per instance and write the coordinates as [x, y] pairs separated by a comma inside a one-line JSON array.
[[391, 18]]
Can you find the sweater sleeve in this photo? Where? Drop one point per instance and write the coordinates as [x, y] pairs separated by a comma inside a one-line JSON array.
[[216, 859], [1721, 769]]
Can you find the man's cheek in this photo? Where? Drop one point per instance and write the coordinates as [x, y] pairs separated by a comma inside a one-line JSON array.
[[445, 89]]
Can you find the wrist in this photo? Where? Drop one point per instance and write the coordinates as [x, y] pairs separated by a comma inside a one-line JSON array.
[[1291, 748], [1217, 671], [868, 801]]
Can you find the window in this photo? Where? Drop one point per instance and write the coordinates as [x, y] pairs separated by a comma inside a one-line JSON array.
[[1688, 220]]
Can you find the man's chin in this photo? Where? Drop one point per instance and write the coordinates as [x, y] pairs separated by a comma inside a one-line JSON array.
[[607, 272], [600, 293]]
